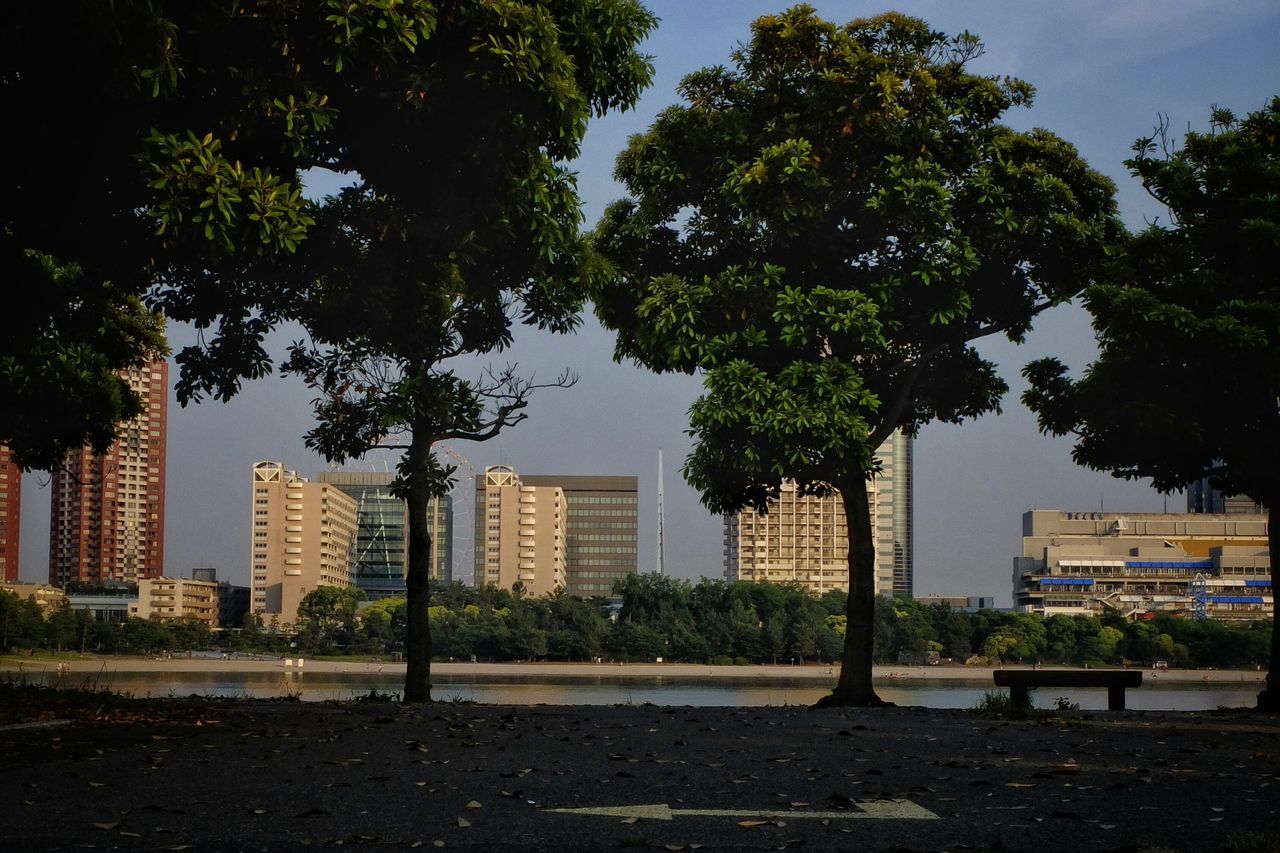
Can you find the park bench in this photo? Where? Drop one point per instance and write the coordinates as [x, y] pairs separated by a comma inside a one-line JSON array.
[[1020, 682]]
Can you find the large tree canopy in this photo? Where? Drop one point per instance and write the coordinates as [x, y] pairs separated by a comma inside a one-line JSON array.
[[823, 229], [1187, 379], [470, 223], [173, 174], [162, 146]]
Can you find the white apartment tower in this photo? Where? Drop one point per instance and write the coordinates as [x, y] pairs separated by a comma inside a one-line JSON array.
[[806, 540], [302, 537], [524, 534]]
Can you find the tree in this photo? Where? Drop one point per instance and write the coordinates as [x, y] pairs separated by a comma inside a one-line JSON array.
[[822, 230], [176, 169], [331, 607], [1187, 377], [468, 224]]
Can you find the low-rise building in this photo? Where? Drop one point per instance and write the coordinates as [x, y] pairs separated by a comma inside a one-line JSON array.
[[166, 599], [967, 603], [1139, 565], [48, 598]]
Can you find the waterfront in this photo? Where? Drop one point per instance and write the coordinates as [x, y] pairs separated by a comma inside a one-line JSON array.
[[587, 684]]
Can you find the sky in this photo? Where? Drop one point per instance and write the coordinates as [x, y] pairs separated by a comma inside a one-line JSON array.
[[1103, 71]]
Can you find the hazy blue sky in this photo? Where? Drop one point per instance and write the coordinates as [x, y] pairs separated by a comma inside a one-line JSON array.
[[1103, 69]]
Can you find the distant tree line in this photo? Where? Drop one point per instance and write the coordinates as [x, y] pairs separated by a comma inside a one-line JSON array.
[[710, 622]]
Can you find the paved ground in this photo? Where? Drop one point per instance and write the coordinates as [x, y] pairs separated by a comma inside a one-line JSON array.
[[258, 776]]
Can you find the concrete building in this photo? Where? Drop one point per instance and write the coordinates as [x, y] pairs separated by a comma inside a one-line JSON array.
[[380, 556], [520, 533], [302, 537], [10, 516], [106, 603], [107, 518], [599, 518], [1142, 564], [966, 603], [47, 598], [166, 599], [806, 540]]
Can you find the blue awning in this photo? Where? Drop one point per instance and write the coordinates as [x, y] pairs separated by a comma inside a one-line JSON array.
[[1235, 599], [1066, 581]]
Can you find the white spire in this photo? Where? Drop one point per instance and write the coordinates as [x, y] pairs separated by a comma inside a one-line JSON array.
[[661, 560]]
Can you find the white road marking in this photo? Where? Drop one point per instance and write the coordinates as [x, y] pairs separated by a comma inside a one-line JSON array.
[[873, 809]]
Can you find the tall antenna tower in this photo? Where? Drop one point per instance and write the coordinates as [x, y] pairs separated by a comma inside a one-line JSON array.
[[662, 520]]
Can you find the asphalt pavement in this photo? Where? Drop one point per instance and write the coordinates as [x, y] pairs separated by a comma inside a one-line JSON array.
[[283, 776]]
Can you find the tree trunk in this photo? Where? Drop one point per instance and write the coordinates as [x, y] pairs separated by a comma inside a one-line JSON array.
[[854, 686], [1269, 698], [417, 676]]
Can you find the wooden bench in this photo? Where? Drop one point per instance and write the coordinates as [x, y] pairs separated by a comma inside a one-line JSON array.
[[1020, 682]]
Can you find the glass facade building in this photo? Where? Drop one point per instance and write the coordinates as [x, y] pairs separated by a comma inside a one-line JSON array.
[[379, 556]]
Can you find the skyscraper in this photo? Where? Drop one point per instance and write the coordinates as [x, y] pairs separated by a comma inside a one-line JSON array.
[[302, 537], [805, 539], [108, 510], [10, 516], [599, 515], [379, 557]]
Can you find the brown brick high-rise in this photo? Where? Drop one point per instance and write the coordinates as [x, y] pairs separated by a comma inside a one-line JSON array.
[[10, 515], [108, 511]]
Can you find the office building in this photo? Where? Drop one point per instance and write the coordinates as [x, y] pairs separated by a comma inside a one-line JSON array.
[[302, 537], [598, 517], [805, 539], [1143, 564], [10, 516], [166, 599], [380, 556], [1202, 497], [107, 519]]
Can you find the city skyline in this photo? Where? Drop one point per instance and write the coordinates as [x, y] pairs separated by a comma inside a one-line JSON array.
[[1103, 72]]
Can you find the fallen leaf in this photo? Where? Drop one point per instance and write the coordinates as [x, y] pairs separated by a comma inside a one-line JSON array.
[[107, 825], [463, 822], [751, 823], [629, 820], [474, 804], [259, 811], [1019, 784]]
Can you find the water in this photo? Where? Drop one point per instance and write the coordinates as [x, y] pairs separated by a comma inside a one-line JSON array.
[[600, 690]]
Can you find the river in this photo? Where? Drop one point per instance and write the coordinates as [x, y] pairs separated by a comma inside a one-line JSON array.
[[657, 690]]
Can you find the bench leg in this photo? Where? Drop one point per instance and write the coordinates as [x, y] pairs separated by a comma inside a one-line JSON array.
[[1020, 696], [1115, 698]]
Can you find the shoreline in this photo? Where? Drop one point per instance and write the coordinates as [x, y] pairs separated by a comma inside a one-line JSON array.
[[540, 670]]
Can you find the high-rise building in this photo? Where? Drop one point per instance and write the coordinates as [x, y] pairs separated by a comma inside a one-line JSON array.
[[108, 510], [10, 516], [804, 539], [894, 516], [380, 556], [1142, 564], [520, 533], [599, 515], [1203, 497], [302, 538]]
